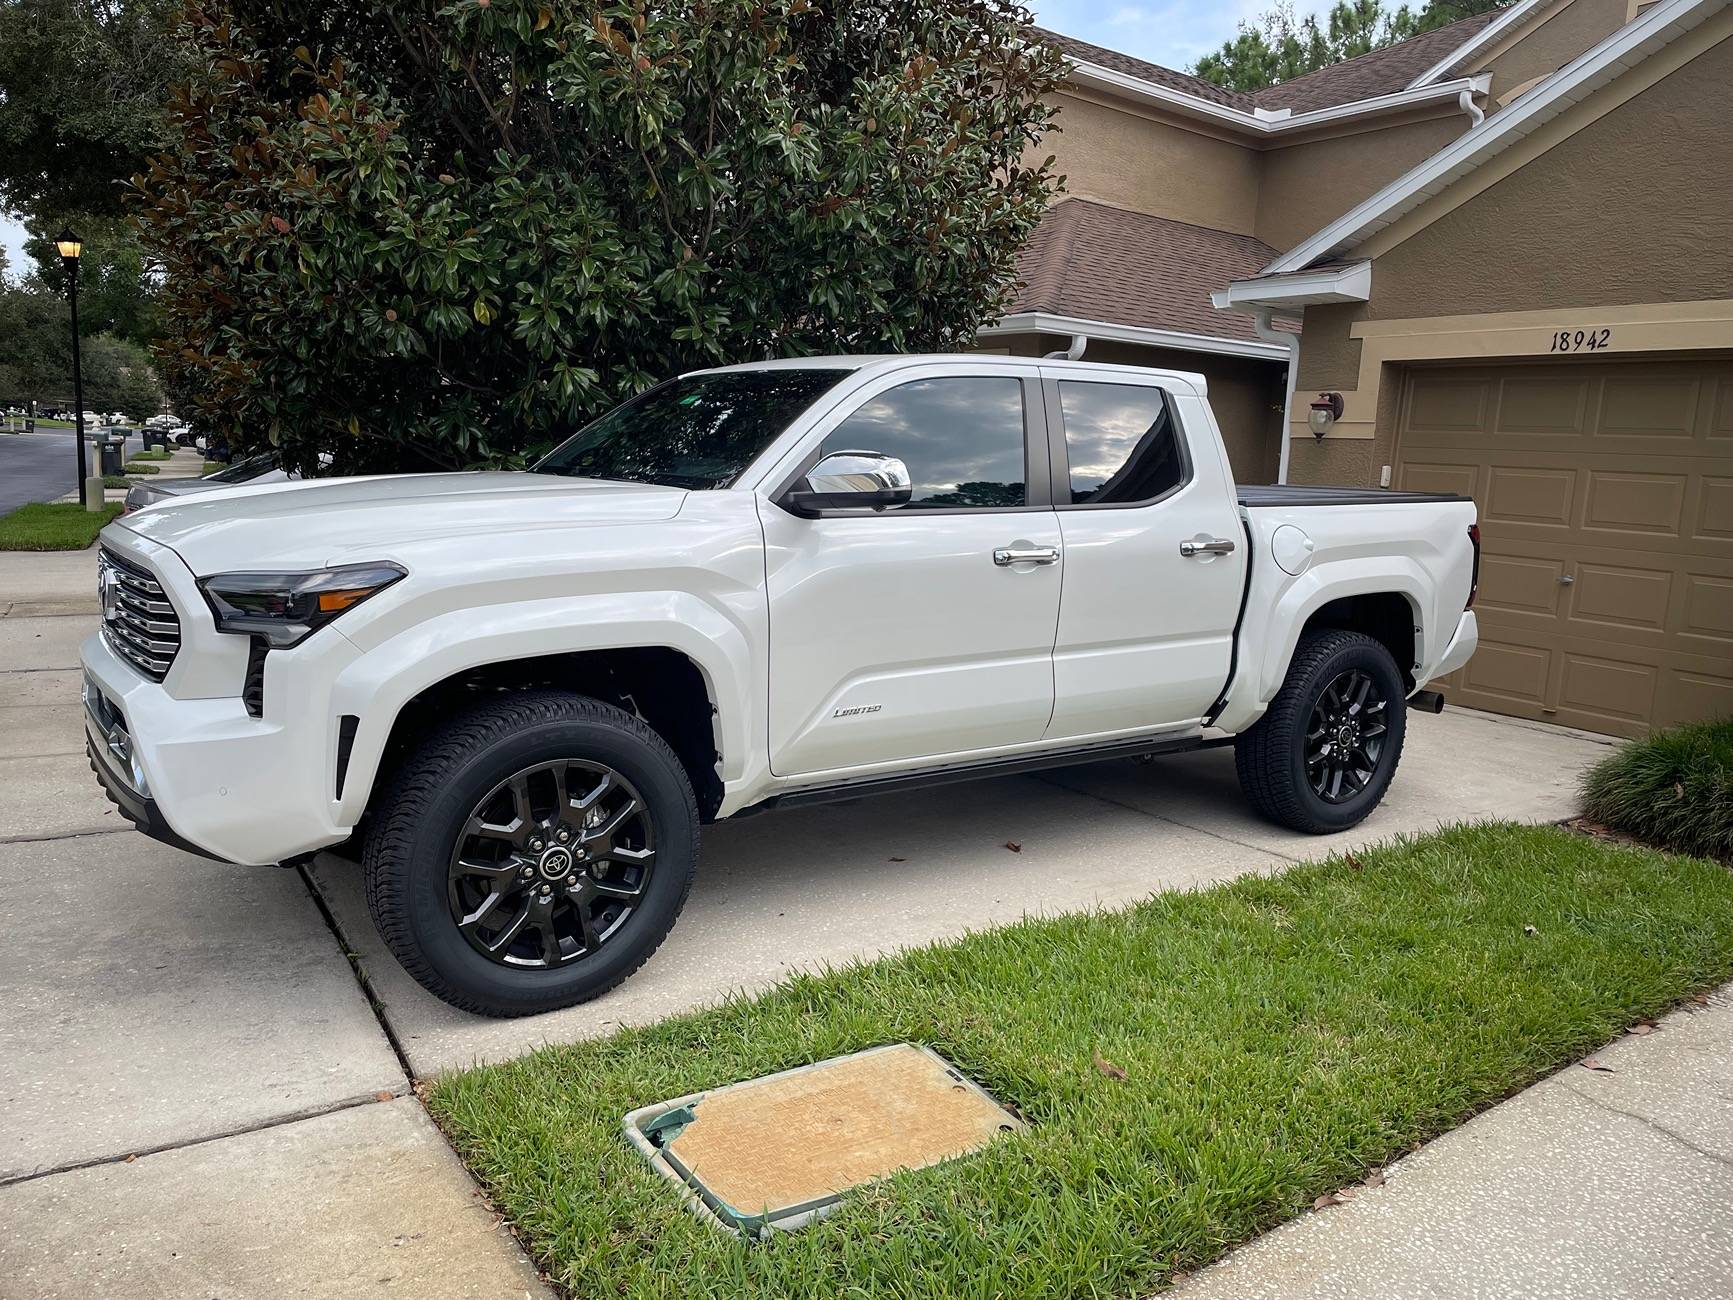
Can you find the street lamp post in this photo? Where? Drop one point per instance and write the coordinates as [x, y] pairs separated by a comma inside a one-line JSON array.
[[70, 246]]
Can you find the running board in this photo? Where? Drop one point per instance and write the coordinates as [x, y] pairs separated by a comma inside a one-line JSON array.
[[951, 773]]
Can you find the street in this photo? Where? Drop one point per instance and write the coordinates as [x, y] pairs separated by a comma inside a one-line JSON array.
[[35, 467]]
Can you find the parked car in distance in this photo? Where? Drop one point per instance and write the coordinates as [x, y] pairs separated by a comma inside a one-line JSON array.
[[757, 587], [255, 469]]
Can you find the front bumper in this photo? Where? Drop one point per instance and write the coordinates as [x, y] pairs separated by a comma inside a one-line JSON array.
[[186, 762], [108, 745]]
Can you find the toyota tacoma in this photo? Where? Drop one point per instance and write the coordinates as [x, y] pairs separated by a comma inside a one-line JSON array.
[[515, 697]]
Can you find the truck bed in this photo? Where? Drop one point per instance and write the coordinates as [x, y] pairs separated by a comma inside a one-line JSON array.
[[1287, 495]]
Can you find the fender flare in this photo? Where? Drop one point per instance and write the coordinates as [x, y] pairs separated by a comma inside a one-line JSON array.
[[378, 685], [1262, 673]]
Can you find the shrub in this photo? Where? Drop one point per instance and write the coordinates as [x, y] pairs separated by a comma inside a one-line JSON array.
[[434, 234], [1674, 789]]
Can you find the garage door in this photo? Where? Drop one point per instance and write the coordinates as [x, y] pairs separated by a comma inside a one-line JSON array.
[[1606, 509]]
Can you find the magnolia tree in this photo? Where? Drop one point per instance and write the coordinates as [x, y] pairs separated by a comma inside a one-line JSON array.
[[446, 234]]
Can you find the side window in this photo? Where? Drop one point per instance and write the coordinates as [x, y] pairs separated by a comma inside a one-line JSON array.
[[1121, 442], [962, 439]]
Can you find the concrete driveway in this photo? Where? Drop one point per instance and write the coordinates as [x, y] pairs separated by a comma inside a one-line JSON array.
[[178, 1033], [828, 885]]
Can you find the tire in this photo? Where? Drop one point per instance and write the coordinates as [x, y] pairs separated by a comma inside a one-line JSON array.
[[441, 850], [1272, 757]]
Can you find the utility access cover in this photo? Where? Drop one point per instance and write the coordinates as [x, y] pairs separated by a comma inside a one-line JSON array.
[[777, 1151]]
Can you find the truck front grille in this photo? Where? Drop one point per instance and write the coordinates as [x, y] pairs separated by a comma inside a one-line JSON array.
[[138, 621]]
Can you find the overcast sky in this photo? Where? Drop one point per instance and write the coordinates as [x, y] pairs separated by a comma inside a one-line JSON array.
[[1170, 32]]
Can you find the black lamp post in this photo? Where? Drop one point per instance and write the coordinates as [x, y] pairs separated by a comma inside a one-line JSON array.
[[70, 246]]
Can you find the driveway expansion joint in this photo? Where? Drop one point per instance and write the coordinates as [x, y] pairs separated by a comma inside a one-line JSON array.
[[1157, 817], [275, 1121]]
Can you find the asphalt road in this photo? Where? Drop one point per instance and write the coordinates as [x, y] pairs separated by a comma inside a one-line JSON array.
[[35, 467]]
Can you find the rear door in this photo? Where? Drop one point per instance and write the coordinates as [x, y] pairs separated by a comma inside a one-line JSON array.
[[913, 634], [1155, 557]]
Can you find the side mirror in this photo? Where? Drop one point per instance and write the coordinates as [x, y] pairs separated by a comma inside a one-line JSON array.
[[850, 480]]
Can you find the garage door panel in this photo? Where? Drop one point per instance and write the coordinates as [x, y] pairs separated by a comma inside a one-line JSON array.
[[1459, 480], [1691, 697], [1715, 510], [1531, 496], [1519, 584], [1502, 670], [1628, 597], [1606, 503], [1656, 407], [1707, 616], [1544, 403], [1637, 503], [1440, 402], [1609, 688]]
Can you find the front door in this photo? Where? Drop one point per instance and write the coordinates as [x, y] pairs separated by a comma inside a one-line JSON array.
[[916, 633]]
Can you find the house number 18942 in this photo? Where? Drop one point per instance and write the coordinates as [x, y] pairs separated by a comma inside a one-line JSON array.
[[1589, 340]]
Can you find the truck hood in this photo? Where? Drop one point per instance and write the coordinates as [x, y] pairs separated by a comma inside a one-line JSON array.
[[316, 522]]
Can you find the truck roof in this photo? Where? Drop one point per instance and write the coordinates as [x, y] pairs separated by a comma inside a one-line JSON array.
[[895, 360]]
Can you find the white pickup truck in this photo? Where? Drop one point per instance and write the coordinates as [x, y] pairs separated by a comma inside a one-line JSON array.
[[519, 695]]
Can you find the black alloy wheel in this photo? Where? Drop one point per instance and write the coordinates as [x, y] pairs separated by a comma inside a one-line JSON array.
[[551, 863], [1326, 749], [1345, 736], [531, 852]]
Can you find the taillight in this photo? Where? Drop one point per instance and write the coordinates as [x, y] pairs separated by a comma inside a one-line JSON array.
[[1474, 577]]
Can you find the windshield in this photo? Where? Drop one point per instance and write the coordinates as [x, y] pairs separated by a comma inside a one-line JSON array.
[[699, 431], [242, 470]]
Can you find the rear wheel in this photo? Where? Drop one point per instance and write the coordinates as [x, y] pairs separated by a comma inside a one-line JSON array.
[[532, 854], [1324, 753]]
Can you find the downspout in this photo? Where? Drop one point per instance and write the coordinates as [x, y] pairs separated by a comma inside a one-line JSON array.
[[1476, 115], [1072, 353], [1261, 322]]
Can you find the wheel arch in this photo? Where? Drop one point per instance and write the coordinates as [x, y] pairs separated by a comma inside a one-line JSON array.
[[680, 665]]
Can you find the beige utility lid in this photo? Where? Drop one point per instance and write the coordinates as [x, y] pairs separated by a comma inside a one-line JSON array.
[[782, 1147]]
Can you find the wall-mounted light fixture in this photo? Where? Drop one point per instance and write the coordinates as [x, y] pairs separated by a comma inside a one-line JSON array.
[[1325, 412]]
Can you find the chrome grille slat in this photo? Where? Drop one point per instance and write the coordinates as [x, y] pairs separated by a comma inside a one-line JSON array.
[[139, 622]]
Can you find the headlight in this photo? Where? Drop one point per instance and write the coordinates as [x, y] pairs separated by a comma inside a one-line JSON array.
[[286, 608]]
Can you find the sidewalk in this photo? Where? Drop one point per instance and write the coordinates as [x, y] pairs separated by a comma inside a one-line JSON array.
[[1614, 1181], [195, 1096]]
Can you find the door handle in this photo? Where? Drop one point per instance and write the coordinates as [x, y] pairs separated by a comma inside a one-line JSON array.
[[1214, 546], [1005, 556]]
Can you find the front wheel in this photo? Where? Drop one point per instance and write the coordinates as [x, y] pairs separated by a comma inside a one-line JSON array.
[[1323, 754], [531, 854]]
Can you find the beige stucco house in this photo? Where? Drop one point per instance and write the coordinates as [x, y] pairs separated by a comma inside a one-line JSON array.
[[1508, 246]]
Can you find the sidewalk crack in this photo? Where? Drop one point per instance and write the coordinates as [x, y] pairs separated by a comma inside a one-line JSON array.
[[1649, 1122]]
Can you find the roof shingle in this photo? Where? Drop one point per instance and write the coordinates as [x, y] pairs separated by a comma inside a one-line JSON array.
[[1377, 72], [1095, 262]]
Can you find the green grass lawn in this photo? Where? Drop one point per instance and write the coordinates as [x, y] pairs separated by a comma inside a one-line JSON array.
[[212, 466], [134, 466], [1674, 788], [50, 527], [1280, 1038], [153, 455]]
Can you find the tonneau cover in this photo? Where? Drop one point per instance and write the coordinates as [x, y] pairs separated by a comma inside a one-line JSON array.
[[1286, 494]]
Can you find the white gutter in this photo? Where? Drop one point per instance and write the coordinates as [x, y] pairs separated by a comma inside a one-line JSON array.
[[1516, 15], [1300, 289], [1265, 121], [1040, 322], [1261, 322], [1574, 82]]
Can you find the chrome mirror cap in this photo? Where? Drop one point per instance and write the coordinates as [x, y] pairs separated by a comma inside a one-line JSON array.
[[851, 480]]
